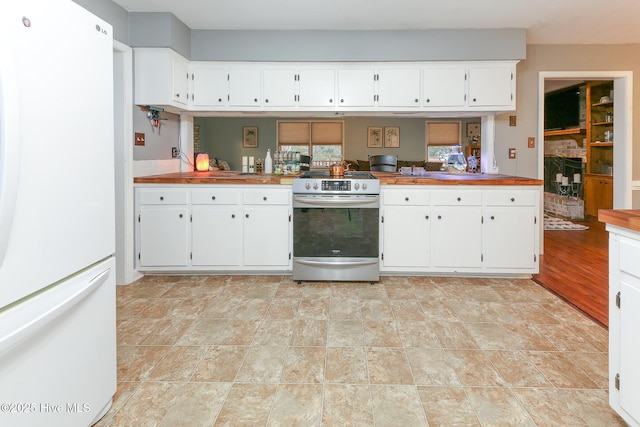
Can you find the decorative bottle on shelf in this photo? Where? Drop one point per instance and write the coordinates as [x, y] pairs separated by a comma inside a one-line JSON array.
[[268, 163]]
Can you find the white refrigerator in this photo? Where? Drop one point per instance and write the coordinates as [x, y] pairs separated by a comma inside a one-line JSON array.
[[57, 226]]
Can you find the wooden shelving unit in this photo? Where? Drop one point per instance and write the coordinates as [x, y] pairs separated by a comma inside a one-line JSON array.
[[598, 180]]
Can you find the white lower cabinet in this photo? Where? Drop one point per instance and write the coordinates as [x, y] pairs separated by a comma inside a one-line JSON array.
[[406, 225], [267, 221], [624, 321], [214, 236], [509, 221], [164, 234], [216, 228], [163, 228], [216, 223], [479, 230], [456, 233]]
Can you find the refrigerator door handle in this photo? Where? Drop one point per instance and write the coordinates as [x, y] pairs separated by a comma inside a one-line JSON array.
[[18, 325], [9, 142]]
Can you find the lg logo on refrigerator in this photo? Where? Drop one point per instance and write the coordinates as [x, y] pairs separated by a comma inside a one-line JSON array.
[[101, 30]]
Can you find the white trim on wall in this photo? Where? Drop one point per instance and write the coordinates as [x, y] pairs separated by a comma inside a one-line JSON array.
[[123, 151]]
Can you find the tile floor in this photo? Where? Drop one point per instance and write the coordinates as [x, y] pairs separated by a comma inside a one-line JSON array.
[[408, 351]]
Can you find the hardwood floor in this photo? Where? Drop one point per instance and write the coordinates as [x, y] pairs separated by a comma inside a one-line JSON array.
[[575, 266]]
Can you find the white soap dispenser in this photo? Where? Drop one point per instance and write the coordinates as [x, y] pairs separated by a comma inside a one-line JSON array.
[[268, 163]]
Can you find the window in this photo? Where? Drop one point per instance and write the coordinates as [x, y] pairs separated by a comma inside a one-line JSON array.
[[440, 138], [323, 140]]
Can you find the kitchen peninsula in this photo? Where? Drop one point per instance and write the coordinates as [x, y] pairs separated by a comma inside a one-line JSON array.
[[624, 311], [440, 223]]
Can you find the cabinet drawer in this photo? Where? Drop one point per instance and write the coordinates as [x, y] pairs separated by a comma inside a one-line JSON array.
[[457, 198], [510, 198], [629, 256], [406, 197], [267, 197], [160, 196], [215, 196]]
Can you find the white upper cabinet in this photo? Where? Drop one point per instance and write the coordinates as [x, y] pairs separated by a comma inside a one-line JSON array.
[[161, 78], [491, 86], [279, 87], [245, 87], [444, 87], [164, 78], [356, 87], [179, 81], [317, 87], [210, 86], [399, 87]]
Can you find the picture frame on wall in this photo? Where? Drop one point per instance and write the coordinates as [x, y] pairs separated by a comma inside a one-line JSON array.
[[250, 136], [392, 136], [374, 137]]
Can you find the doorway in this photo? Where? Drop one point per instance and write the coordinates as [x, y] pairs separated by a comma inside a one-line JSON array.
[[622, 127], [574, 264]]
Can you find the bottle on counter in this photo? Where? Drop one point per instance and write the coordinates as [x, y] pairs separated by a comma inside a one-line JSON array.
[[268, 163]]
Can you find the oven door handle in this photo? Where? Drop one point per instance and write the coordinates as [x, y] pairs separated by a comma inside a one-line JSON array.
[[323, 203], [336, 264]]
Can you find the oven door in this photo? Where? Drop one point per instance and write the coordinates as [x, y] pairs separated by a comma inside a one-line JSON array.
[[335, 226], [335, 237]]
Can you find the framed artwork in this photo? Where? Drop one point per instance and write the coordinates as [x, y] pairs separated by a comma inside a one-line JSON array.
[[473, 133], [250, 136], [392, 137], [374, 137]]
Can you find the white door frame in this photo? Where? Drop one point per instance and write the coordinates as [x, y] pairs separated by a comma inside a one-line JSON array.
[[622, 126], [123, 150]]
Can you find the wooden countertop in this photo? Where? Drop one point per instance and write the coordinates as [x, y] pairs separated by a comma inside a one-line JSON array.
[[214, 177], [626, 218], [388, 178], [439, 178]]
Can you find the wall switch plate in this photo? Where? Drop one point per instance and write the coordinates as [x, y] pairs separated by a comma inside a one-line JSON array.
[[139, 140], [512, 153], [531, 142], [512, 120]]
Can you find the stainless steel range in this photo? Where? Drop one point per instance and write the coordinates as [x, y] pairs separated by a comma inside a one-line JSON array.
[[336, 227]]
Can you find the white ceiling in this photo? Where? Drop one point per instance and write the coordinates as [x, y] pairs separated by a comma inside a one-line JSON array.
[[546, 21]]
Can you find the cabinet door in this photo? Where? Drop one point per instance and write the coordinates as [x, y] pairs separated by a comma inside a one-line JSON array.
[[509, 238], [399, 88], [215, 236], [456, 237], [161, 77], [598, 194], [180, 81], [491, 86], [406, 236], [630, 347], [356, 88], [279, 87], [266, 236], [164, 236], [210, 86], [244, 87], [444, 87], [317, 88]]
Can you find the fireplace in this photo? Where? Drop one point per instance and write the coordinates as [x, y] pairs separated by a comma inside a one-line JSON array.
[[567, 166]]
